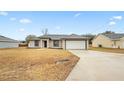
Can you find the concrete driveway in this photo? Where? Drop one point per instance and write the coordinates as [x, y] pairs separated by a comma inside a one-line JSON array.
[[94, 65]]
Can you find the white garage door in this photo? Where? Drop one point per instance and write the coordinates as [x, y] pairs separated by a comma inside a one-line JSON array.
[[8, 45], [80, 44]]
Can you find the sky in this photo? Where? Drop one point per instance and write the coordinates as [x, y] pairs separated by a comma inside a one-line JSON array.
[[18, 24]]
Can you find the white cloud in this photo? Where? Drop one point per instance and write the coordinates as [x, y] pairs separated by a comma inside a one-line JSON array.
[[2, 13], [116, 18], [112, 23], [12, 18], [21, 30], [78, 14], [58, 27], [25, 21]]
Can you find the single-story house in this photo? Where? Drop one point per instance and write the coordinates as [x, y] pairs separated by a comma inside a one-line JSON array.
[[6, 42], [111, 40], [59, 41]]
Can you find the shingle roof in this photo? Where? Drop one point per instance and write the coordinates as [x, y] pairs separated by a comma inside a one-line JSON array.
[[114, 36], [34, 38], [58, 37], [6, 39]]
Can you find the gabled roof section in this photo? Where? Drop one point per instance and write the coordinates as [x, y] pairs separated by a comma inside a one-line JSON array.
[[34, 38], [6, 39]]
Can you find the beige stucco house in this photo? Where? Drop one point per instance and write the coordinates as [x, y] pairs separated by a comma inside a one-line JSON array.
[[59, 41], [113, 40]]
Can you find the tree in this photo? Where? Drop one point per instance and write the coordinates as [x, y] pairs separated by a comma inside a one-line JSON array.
[[29, 37], [45, 31], [108, 32]]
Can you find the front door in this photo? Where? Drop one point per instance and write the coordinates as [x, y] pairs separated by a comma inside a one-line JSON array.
[[45, 44]]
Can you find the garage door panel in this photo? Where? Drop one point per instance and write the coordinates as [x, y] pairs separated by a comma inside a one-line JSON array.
[[75, 44], [8, 45]]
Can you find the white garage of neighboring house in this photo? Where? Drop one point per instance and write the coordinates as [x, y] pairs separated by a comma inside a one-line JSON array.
[[59, 41], [6, 42]]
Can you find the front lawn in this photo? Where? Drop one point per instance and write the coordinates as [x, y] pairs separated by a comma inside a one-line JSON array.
[[36, 64], [111, 50]]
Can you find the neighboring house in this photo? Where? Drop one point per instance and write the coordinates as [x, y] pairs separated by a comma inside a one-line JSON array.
[[90, 36], [112, 40], [23, 44], [6, 42], [59, 41]]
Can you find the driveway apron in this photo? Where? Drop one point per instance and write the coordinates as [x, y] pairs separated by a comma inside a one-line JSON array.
[[94, 65]]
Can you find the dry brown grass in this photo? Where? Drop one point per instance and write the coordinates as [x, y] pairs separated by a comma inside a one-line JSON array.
[[111, 50], [35, 64]]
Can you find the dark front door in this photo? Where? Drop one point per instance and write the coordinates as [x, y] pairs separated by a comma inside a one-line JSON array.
[[45, 44]]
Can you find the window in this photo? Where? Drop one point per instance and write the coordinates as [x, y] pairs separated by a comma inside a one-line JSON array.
[[56, 43], [36, 42]]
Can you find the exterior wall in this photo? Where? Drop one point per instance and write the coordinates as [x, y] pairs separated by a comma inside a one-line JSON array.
[[31, 44], [63, 44], [8, 45], [122, 42], [116, 44], [42, 44], [50, 43], [52, 46], [102, 40]]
